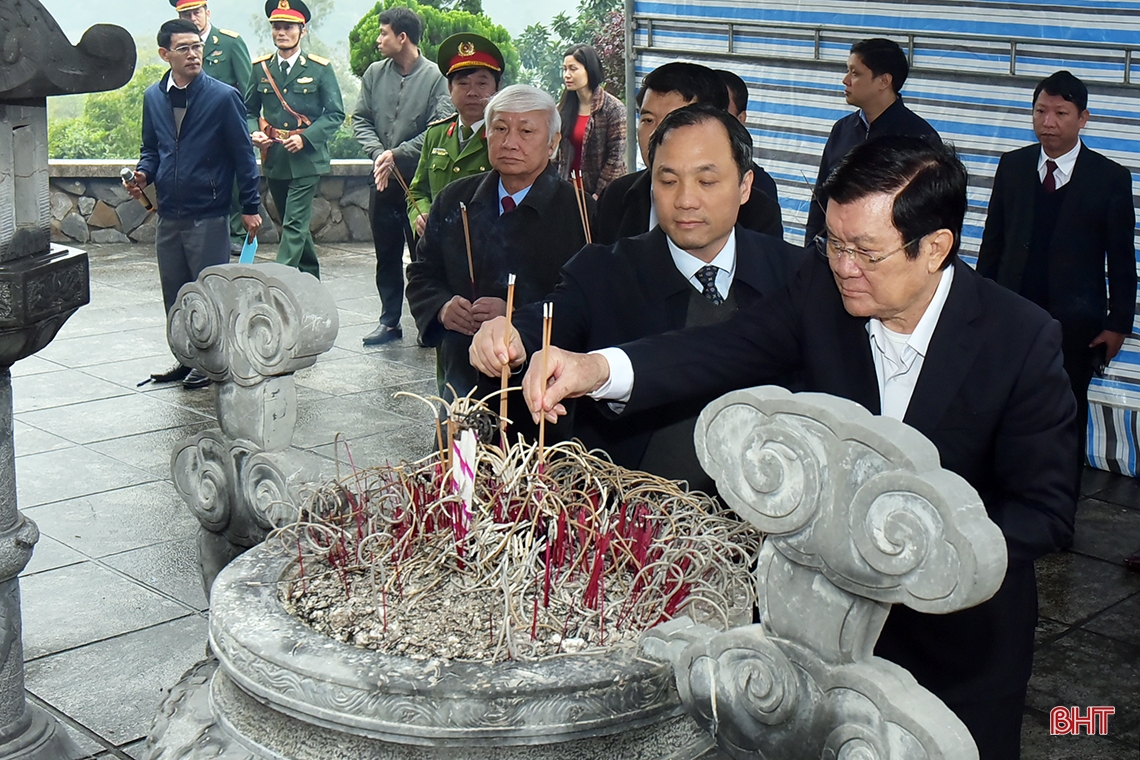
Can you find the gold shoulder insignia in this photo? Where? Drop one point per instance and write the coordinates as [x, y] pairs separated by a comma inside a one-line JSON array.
[[444, 120], [265, 57], [228, 33], [318, 59]]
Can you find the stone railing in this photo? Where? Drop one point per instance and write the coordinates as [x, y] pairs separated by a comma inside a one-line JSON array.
[[89, 204]]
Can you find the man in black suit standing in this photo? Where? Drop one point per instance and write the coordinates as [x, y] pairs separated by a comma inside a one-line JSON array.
[[1058, 210], [624, 207], [889, 317], [697, 267], [876, 71]]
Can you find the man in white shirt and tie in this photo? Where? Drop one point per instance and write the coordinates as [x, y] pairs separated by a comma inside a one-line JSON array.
[[979, 373]]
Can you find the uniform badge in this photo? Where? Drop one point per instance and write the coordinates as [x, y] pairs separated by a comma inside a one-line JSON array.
[[466, 49], [216, 52], [439, 151], [305, 80], [283, 5]]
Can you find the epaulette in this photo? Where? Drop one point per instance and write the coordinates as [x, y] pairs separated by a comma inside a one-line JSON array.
[[265, 57], [228, 33], [444, 120], [318, 59]]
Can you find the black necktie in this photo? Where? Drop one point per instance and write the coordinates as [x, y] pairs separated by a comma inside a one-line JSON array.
[[706, 276], [1050, 182], [284, 69]]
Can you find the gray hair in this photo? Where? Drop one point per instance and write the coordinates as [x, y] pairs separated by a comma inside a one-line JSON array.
[[520, 98]]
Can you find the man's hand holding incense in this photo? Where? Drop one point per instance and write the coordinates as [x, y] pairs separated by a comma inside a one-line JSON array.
[[456, 315], [489, 352], [382, 169], [555, 374], [486, 308]]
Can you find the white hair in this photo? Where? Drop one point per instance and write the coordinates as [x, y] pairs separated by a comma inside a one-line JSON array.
[[520, 98]]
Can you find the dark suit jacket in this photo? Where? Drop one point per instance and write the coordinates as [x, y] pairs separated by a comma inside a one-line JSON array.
[[1096, 220], [992, 397], [623, 208], [612, 294], [533, 242]]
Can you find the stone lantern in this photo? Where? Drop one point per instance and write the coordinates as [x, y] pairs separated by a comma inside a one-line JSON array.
[[41, 285]]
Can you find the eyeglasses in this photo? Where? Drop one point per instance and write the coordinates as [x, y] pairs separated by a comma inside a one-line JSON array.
[[187, 49], [866, 260]]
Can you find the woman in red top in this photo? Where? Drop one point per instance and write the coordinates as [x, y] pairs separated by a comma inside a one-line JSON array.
[[593, 123]]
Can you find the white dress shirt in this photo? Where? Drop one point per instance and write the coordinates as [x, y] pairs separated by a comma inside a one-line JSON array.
[[898, 363], [291, 60], [898, 357], [1064, 171]]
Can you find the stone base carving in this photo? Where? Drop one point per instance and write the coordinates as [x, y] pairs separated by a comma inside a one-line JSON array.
[[281, 690], [42, 739]]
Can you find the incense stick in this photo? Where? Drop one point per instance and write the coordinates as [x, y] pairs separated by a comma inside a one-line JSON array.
[[407, 190], [506, 375], [583, 209], [467, 240], [547, 319]]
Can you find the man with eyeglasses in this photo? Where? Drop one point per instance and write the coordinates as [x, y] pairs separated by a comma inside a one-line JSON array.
[[194, 145], [891, 318], [225, 58]]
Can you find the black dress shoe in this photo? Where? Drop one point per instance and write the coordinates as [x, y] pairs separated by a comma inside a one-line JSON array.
[[1133, 562], [383, 334], [175, 373], [196, 379]]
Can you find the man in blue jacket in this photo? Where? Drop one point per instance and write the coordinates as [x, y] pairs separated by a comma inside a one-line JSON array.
[[194, 143]]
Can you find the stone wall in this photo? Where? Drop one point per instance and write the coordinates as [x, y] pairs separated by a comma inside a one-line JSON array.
[[89, 204]]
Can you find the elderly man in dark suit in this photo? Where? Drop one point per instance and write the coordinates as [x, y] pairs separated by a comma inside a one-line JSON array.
[[624, 207], [1058, 211], [522, 218], [889, 317], [697, 267]]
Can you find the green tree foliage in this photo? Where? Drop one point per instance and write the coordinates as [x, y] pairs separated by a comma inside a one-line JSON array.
[[599, 23], [438, 26], [111, 123]]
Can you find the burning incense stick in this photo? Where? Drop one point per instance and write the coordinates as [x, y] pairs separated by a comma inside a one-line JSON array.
[[506, 376], [467, 240], [547, 319]]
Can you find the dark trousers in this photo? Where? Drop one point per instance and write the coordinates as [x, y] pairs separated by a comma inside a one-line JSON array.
[[185, 247], [294, 200], [995, 725], [388, 214], [1078, 358]]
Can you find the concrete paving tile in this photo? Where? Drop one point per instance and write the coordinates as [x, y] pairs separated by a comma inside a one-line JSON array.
[[130, 372], [136, 750], [116, 521], [358, 373], [50, 554], [112, 319], [1048, 630], [1106, 531], [1038, 744], [114, 687], [89, 745], [32, 440], [52, 389], [406, 442], [95, 349], [1121, 621], [1072, 587], [349, 288], [104, 419], [350, 335], [34, 365], [150, 451], [170, 567], [1094, 480], [1123, 491], [407, 353], [75, 605], [1085, 669], [319, 423], [113, 295], [386, 399], [69, 473]]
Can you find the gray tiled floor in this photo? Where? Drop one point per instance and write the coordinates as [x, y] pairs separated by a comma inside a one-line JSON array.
[[114, 611]]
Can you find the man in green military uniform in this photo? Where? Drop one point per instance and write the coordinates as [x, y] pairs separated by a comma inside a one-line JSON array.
[[457, 146], [226, 59], [294, 107]]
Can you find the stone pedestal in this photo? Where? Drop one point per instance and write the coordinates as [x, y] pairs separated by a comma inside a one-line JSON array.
[[41, 285]]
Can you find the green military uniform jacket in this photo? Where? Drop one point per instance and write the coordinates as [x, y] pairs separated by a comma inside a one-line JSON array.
[[442, 161], [310, 89], [226, 58]]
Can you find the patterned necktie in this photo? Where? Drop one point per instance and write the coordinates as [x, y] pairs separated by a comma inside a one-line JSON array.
[[508, 203], [706, 276], [1050, 182]]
